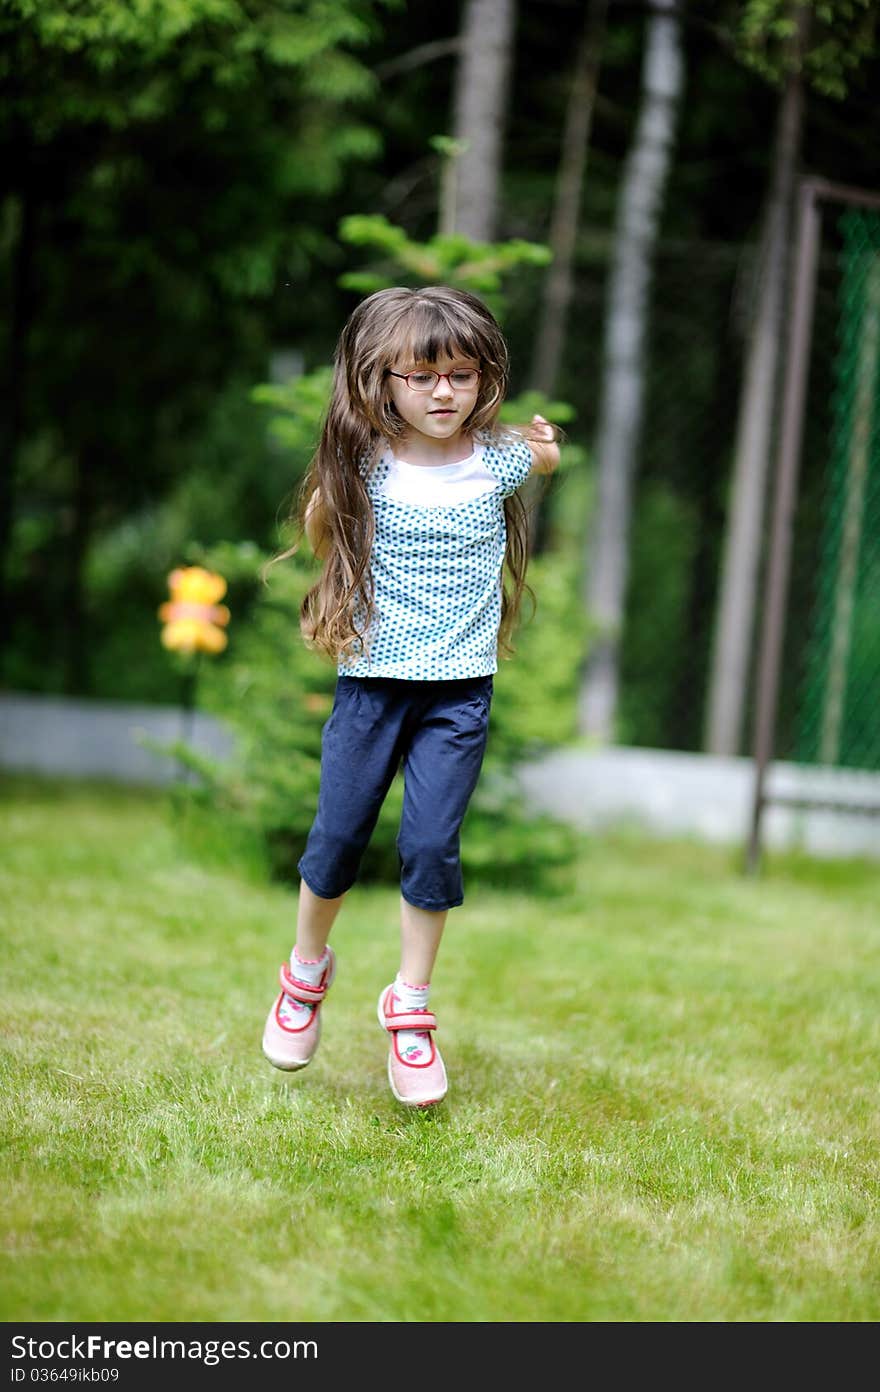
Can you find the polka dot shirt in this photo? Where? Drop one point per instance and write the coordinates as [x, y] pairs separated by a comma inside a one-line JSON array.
[[436, 573]]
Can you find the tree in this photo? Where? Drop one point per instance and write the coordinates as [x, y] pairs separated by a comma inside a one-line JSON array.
[[638, 213], [161, 165], [479, 109], [559, 282], [556, 296], [729, 678]]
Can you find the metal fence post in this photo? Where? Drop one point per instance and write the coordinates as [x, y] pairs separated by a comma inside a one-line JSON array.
[[791, 430]]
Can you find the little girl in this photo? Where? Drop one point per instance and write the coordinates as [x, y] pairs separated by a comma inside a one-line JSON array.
[[410, 504]]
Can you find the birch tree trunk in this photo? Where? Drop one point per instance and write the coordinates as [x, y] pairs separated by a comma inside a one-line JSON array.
[[479, 110], [735, 615], [622, 389]]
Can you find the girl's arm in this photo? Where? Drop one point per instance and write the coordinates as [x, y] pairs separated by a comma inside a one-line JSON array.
[[315, 525], [541, 440]]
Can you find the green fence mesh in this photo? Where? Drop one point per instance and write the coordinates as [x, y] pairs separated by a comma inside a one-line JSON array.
[[839, 699]]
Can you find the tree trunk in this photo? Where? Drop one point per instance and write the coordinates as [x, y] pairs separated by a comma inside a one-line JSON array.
[[735, 618], [622, 390], [550, 340], [479, 111], [567, 201]]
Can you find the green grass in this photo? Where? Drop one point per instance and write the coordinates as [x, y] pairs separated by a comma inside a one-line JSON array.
[[663, 1095]]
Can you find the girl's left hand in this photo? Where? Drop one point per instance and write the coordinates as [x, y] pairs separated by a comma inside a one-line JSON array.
[[541, 437], [542, 430]]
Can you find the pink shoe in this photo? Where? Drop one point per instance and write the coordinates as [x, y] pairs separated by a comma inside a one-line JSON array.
[[285, 1045], [420, 1083]]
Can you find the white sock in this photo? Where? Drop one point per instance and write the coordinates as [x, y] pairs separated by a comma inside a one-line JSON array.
[[296, 1012], [413, 1045]]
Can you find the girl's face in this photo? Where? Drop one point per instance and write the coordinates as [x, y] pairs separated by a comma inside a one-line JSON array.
[[440, 412]]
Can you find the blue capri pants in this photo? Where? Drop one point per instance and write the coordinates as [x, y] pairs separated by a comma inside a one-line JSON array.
[[437, 731]]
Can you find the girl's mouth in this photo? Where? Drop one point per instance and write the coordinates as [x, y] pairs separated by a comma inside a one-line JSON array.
[[442, 411]]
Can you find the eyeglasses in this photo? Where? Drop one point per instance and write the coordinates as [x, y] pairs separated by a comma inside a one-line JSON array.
[[461, 379]]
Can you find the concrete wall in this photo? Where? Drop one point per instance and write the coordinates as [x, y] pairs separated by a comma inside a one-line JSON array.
[[669, 793], [659, 791], [56, 735]]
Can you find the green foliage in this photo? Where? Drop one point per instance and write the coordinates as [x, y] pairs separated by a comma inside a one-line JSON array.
[[842, 35], [536, 688], [444, 259], [533, 709], [198, 38], [518, 411], [231, 470], [275, 695], [298, 405], [163, 162], [447, 146]]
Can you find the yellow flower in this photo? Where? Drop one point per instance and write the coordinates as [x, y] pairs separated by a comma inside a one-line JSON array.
[[193, 619]]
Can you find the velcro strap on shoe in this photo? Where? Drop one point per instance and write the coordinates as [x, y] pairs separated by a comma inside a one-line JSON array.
[[301, 990], [411, 1020]]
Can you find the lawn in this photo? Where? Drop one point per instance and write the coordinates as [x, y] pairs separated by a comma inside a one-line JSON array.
[[663, 1097]]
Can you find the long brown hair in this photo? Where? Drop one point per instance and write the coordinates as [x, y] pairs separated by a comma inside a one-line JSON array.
[[390, 326]]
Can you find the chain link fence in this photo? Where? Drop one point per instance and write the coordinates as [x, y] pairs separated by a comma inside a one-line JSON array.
[[837, 720], [699, 314]]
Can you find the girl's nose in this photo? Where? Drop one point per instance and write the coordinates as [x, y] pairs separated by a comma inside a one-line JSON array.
[[443, 388]]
